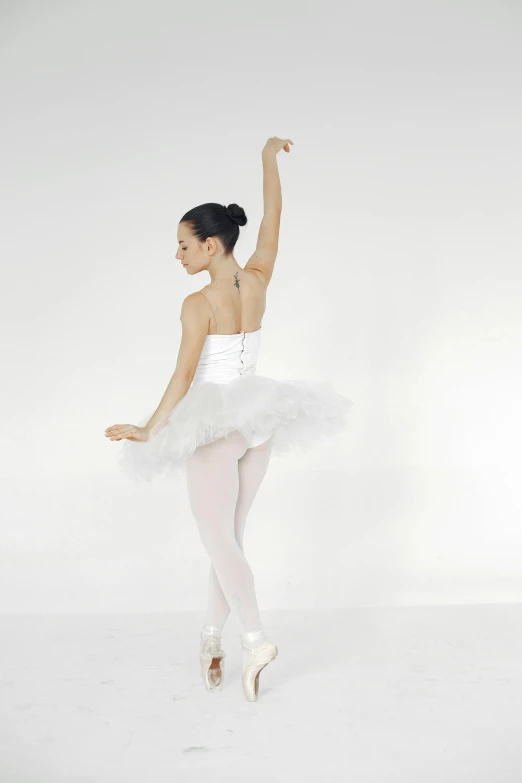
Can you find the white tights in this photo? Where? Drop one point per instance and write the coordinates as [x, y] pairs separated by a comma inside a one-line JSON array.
[[222, 480]]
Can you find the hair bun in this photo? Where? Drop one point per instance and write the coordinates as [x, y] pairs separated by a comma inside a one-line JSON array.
[[236, 213]]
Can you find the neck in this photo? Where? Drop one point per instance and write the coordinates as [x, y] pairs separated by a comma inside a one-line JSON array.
[[223, 268]]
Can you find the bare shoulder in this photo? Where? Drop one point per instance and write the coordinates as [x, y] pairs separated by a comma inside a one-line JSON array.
[[194, 307], [256, 276], [261, 264], [193, 301]]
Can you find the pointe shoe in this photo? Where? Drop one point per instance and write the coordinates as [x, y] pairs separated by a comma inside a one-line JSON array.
[[211, 658], [260, 657]]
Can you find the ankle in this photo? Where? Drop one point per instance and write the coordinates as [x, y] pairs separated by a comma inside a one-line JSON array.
[[211, 630], [252, 639]]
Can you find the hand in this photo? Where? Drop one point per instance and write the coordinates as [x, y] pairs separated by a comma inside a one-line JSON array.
[[274, 144], [129, 431]]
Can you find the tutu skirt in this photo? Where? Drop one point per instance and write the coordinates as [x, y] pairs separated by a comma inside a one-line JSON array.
[[298, 413]]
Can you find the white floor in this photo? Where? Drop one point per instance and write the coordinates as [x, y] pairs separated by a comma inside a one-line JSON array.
[[420, 695]]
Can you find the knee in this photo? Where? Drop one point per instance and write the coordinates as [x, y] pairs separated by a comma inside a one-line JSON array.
[[216, 543]]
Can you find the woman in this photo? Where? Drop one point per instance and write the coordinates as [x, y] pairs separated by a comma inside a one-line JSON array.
[[222, 422]]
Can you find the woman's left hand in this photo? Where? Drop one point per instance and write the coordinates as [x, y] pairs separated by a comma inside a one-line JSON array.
[[129, 431]]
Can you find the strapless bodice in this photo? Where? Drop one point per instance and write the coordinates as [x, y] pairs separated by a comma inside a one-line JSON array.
[[225, 357]]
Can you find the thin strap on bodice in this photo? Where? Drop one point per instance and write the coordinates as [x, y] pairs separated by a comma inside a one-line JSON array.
[[213, 313]]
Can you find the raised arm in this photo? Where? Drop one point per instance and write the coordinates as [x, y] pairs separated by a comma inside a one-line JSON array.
[[263, 259]]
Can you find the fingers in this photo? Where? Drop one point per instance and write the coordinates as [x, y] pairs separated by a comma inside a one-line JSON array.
[[280, 143], [119, 431]]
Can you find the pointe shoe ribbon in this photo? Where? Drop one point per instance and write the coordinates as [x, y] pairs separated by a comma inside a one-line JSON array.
[[211, 658], [260, 657]]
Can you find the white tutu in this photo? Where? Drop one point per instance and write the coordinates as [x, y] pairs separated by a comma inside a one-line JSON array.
[[299, 413]]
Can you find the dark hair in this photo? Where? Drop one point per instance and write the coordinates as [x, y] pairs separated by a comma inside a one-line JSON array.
[[216, 220]]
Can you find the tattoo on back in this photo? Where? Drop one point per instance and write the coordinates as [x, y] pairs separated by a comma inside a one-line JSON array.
[[236, 280]]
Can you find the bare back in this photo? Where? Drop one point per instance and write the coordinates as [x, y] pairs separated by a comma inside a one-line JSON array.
[[235, 305]]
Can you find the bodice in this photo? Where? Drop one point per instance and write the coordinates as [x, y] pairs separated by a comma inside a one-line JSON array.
[[225, 357]]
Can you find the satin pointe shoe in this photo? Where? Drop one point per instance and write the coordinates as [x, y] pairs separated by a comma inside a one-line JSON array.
[[259, 657], [212, 660]]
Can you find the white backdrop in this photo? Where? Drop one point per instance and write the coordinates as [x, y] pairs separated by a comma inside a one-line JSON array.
[[398, 279]]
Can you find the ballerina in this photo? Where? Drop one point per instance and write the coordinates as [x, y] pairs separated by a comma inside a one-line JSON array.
[[221, 422]]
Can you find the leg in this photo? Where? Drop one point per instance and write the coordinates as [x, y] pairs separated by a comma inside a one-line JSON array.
[[213, 486], [252, 467]]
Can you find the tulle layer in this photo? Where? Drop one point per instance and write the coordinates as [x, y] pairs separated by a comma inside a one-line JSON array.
[[299, 413]]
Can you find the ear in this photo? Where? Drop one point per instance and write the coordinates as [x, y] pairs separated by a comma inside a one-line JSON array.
[[212, 245]]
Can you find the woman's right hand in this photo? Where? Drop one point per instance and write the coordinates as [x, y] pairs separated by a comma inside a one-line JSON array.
[[275, 144], [128, 431]]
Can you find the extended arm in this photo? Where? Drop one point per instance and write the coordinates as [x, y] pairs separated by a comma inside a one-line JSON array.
[[263, 259], [272, 198]]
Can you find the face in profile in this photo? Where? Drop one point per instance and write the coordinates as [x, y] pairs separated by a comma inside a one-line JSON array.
[[191, 253]]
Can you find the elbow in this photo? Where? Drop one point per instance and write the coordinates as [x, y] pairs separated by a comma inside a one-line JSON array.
[[185, 377]]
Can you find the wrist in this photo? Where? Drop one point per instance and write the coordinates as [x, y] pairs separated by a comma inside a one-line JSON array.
[[153, 428]]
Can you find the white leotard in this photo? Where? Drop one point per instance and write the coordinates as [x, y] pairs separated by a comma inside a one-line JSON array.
[[225, 357]]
